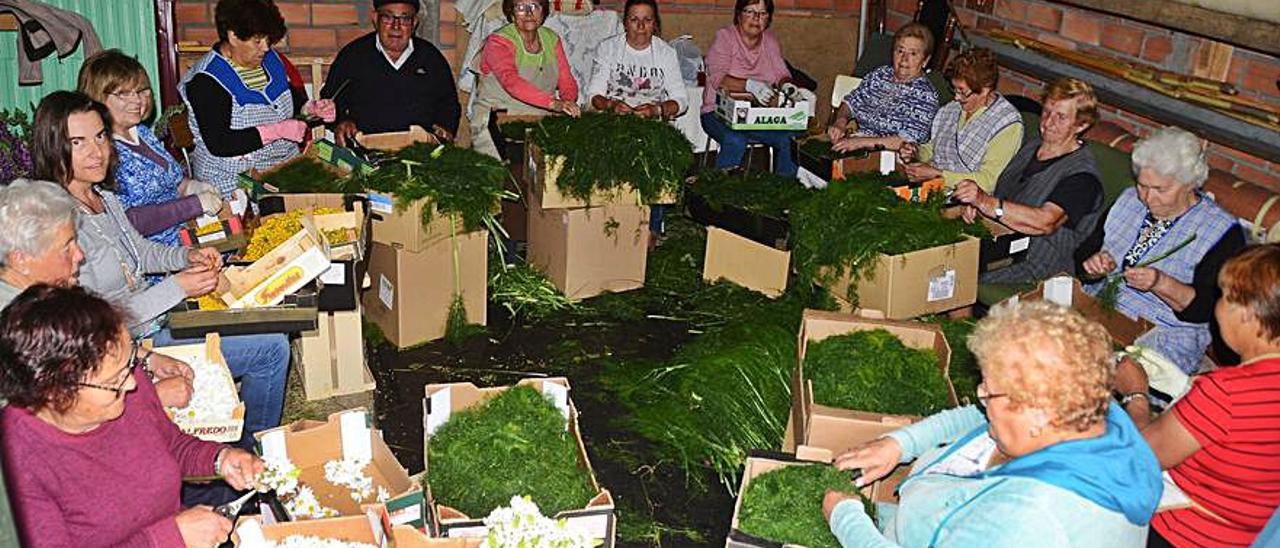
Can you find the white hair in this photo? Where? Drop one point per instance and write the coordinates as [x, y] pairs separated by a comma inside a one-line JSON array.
[[1172, 152], [30, 212]]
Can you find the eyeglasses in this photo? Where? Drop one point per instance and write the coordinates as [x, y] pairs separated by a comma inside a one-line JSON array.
[[389, 20], [984, 397], [133, 95], [528, 8], [119, 389], [756, 14]]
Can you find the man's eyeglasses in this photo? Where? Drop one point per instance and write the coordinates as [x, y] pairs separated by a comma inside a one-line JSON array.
[[984, 397], [755, 14], [389, 20], [527, 9], [131, 95], [119, 389]]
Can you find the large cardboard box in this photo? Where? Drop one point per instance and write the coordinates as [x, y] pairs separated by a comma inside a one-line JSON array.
[[817, 423], [818, 171], [442, 400], [297, 312], [745, 262], [586, 252], [411, 292], [740, 113], [403, 228], [921, 282], [371, 527], [1003, 249], [338, 160], [283, 270], [346, 434], [542, 173], [762, 462], [331, 358], [1065, 290], [209, 359], [396, 140]]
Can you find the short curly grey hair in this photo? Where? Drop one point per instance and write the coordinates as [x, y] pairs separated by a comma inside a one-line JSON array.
[[30, 212], [1172, 152]]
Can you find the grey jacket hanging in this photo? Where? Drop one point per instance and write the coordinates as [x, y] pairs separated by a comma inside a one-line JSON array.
[[42, 30]]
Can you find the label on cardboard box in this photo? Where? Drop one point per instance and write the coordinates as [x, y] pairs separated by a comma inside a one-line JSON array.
[[559, 396], [355, 437], [381, 203], [942, 286], [1019, 245], [406, 515], [212, 237], [386, 291], [336, 275], [441, 408], [1058, 290], [888, 159]]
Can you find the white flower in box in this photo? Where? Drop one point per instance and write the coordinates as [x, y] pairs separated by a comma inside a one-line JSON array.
[[213, 397], [522, 524], [305, 505], [306, 541], [350, 474]]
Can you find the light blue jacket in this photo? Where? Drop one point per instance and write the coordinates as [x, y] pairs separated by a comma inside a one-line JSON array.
[[1036, 502]]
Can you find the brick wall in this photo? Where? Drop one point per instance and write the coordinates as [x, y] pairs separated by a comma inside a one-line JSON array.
[[1254, 74]]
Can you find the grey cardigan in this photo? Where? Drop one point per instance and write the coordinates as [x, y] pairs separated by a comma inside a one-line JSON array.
[[114, 251]]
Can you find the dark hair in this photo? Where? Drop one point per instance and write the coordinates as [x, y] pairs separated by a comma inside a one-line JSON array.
[[509, 9], [50, 339], [50, 144], [977, 68], [1252, 279], [249, 18], [742, 5], [657, 19]]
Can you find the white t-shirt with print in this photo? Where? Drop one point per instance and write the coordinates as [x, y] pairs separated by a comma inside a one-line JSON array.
[[637, 77]]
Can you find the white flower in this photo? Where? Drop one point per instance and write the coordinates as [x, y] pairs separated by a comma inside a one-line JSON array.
[[306, 541], [305, 505], [350, 474], [522, 524], [213, 396], [280, 476]]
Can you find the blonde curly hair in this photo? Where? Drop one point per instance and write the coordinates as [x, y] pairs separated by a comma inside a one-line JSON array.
[[1047, 357]]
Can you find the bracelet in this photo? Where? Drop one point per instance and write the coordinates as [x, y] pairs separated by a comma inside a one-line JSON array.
[[217, 462], [1131, 396]]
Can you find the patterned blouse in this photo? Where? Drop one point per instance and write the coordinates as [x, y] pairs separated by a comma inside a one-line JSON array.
[[883, 107], [142, 181]]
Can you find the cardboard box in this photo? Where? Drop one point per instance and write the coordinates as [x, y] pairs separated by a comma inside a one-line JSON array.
[[297, 312], [818, 423], [412, 292], [739, 112], [331, 358], [346, 434], [371, 527], [543, 172], [403, 536], [1003, 249], [926, 281], [210, 353], [586, 252], [224, 232], [744, 262], [283, 270], [442, 400], [1067, 291], [339, 286], [774, 232], [760, 462], [396, 140], [403, 228]]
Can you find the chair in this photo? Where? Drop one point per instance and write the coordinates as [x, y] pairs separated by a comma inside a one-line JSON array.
[[843, 85]]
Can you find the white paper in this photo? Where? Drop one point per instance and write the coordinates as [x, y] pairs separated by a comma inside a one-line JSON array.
[[386, 291], [212, 237], [888, 161], [1020, 244], [406, 515], [250, 533], [273, 446], [1172, 498], [336, 275], [441, 409], [559, 396], [942, 286], [478, 531], [595, 525], [1058, 290], [356, 443], [239, 202], [810, 179]]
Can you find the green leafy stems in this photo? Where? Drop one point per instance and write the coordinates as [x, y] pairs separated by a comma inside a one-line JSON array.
[[1111, 285], [874, 371], [784, 505]]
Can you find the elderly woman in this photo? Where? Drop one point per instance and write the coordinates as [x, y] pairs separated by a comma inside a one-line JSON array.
[[90, 455], [71, 147], [156, 194], [974, 136], [893, 104], [1218, 443], [1051, 190], [636, 72], [1030, 465], [243, 110], [746, 58], [523, 70], [1165, 210]]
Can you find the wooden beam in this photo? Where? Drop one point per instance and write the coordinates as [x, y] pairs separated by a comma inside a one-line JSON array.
[[8, 22], [1245, 32]]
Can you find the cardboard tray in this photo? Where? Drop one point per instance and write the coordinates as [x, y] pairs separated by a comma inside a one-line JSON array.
[[822, 170], [227, 430], [1123, 329], [739, 112], [370, 528], [396, 140], [441, 400], [298, 312], [762, 229], [339, 287], [290, 266]]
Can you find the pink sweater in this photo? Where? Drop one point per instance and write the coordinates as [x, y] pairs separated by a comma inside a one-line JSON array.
[[728, 56], [117, 485], [499, 57]]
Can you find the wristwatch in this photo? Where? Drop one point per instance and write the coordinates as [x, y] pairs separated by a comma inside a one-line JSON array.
[[999, 211]]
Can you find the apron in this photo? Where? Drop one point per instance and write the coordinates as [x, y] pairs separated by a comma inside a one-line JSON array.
[[539, 69]]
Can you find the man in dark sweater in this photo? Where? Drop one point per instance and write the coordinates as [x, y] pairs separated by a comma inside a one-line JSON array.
[[388, 80]]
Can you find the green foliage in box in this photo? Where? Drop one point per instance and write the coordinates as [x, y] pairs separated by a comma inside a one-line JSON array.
[[304, 175], [874, 371], [513, 444], [785, 505], [759, 192], [461, 182], [607, 152]]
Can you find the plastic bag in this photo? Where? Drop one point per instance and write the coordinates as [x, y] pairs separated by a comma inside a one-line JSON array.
[[690, 58]]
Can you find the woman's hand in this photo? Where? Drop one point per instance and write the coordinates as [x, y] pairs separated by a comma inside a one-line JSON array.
[[567, 107], [969, 214], [345, 132], [174, 391], [875, 458], [968, 192], [621, 107], [835, 133], [907, 152], [921, 172], [197, 281], [833, 497], [239, 468], [324, 109], [201, 528], [1142, 278], [1100, 264], [291, 130], [207, 257]]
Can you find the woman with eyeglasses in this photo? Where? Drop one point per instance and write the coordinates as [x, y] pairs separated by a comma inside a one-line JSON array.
[[90, 457], [973, 137], [156, 194], [523, 70], [1045, 459], [243, 112], [747, 58], [894, 104]]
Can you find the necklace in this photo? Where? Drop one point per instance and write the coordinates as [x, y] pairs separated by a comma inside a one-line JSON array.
[[132, 273]]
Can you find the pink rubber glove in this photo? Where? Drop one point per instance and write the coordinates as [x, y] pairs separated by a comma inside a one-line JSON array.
[[324, 109], [293, 130]]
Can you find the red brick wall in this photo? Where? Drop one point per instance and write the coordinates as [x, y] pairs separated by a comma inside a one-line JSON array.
[[1254, 74]]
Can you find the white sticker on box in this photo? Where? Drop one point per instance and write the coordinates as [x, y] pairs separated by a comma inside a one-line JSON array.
[[888, 161], [250, 534], [386, 291], [1020, 244], [942, 286], [273, 446], [336, 275], [406, 515], [212, 237], [597, 526], [381, 203], [559, 396], [1058, 290], [356, 444], [440, 410], [810, 179]]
